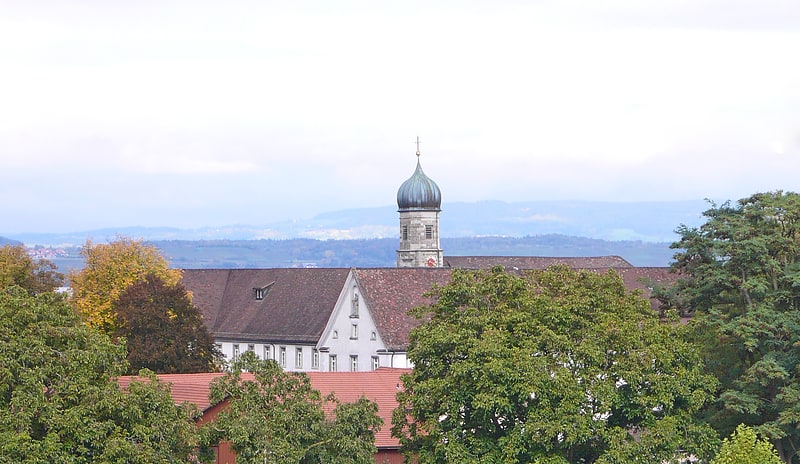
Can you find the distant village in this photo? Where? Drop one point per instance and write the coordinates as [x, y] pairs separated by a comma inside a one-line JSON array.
[[49, 253]]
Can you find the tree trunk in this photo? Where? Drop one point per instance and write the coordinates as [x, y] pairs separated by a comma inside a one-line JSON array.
[[745, 293]]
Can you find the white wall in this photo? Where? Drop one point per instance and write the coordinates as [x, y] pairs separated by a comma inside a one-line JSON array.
[[395, 359], [272, 351], [339, 337]]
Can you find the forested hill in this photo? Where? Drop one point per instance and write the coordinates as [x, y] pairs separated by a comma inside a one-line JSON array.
[[381, 252], [8, 241], [640, 232]]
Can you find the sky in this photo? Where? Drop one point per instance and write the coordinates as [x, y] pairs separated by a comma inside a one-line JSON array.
[[205, 113]]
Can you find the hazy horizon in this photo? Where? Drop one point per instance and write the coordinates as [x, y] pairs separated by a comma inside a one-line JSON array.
[[613, 221]]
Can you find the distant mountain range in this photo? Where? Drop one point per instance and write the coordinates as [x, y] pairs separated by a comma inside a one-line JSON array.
[[634, 221], [640, 232]]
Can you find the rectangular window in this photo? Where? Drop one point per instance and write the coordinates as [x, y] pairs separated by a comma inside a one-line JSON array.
[[283, 356], [332, 363], [428, 232], [219, 347], [405, 232], [376, 362], [353, 331], [315, 358], [298, 358], [267, 352], [354, 362], [235, 350]]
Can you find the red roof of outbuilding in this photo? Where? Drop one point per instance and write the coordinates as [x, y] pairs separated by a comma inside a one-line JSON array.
[[380, 386]]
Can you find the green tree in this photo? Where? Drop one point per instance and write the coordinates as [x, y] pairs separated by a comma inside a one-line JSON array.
[[164, 331], [109, 270], [552, 366], [740, 274], [276, 416], [744, 447], [18, 268], [58, 399]]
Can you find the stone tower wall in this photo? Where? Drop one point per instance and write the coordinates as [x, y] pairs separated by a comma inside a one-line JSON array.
[[419, 239]]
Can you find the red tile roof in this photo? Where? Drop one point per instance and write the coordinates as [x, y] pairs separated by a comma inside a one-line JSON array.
[[186, 388], [295, 308], [380, 386]]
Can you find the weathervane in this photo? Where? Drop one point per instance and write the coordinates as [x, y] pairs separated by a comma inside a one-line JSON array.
[[418, 146]]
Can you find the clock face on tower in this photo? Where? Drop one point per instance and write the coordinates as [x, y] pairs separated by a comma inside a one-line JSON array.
[[431, 262]]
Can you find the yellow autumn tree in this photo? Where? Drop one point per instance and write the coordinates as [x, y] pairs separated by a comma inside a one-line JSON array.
[[35, 276], [109, 270]]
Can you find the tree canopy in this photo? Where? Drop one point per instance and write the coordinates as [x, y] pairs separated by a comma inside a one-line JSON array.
[[276, 416], [744, 447], [18, 268], [109, 270], [555, 366], [740, 274], [164, 331], [58, 399]]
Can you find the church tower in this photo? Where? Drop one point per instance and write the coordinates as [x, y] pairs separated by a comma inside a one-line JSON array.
[[419, 202]]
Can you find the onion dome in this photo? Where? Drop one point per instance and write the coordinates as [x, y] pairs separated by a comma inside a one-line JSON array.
[[419, 192]]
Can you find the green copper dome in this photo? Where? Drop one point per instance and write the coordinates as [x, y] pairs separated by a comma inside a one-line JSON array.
[[419, 192]]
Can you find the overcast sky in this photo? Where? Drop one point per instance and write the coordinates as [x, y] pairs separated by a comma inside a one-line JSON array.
[[204, 113]]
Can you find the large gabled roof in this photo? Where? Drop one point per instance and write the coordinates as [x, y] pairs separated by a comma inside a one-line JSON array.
[[644, 279], [380, 386], [391, 292], [298, 303], [295, 307]]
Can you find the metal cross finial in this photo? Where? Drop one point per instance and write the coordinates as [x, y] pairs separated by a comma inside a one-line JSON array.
[[417, 145]]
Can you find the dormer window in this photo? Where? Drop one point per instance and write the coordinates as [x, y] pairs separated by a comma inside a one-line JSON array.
[[260, 292]]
